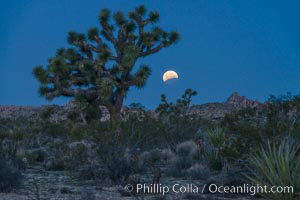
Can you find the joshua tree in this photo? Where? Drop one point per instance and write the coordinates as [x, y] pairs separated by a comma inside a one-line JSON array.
[[98, 69], [181, 104]]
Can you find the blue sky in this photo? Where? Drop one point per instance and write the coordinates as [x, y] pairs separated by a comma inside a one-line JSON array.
[[252, 47]]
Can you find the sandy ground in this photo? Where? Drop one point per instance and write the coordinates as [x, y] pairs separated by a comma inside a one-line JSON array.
[[12, 197]]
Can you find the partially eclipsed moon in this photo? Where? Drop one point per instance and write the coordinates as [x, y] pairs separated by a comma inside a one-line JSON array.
[[168, 75]]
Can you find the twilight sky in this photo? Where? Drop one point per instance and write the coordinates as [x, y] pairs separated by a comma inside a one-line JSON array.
[[252, 47]]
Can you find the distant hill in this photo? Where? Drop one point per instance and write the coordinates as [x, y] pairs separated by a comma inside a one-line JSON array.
[[210, 111]]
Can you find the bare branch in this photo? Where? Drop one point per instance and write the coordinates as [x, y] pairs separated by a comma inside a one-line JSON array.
[[121, 34], [109, 33]]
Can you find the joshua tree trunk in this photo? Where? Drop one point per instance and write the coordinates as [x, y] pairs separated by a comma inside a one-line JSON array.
[[115, 108], [115, 118]]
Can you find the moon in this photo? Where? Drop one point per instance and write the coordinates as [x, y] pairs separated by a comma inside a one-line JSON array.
[[168, 75]]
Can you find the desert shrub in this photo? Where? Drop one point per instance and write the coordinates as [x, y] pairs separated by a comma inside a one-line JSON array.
[[231, 150], [35, 155], [56, 130], [12, 146], [156, 157], [140, 130], [101, 155], [54, 164], [178, 167], [150, 158], [10, 175], [247, 127], [226, 147], [181, 164], [187, 148], [276, 165], [282, 116], [167, 156], [120, 167], [186, 159], [56, 159], [81, 158], [198, 171], [118, 163], [275, 120], [93, 131], [187, 167]]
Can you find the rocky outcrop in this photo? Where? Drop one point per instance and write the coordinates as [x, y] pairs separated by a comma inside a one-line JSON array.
[[216, 111], [15, 112], [241, 101]]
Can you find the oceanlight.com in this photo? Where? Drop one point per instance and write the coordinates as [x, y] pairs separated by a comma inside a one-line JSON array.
[[211, 188]]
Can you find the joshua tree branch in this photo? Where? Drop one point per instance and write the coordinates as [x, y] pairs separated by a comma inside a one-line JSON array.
[[156, 49]]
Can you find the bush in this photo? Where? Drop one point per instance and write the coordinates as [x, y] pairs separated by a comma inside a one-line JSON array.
[[187, 148], [167, 156], [81, 157], [56, 159], [179, 167], [277, 166], [117, 162], [139, 130], [185, 163], [35, 155], [10, 176]]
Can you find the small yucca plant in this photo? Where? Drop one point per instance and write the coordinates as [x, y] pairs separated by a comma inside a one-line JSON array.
[[216, 136], [224, 144], [276, 165]]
